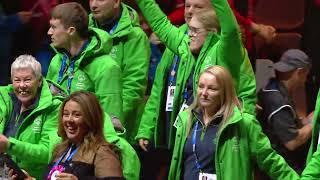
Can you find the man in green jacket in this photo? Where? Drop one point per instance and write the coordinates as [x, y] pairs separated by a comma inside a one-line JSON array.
[[82, 63], [131, 51], [222, 48], [29, 116]]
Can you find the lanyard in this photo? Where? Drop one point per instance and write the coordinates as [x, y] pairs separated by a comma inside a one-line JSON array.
[[113, 28], [71, 72], [71, 68], [194, 141], [173, 71], [72, 153]]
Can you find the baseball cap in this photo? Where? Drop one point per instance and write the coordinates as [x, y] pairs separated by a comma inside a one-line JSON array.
[[292, 59]]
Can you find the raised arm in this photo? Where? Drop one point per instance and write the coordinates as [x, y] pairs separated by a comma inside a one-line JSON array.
[[230, 49], [170, 35]]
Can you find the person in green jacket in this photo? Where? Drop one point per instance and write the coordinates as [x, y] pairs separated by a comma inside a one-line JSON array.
[[82, 63], [29, 116], [219, 44], [217, 140], [131, 51], [315, 141], [312, 170]]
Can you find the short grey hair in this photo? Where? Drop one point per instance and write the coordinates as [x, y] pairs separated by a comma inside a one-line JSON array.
[[27, 61]]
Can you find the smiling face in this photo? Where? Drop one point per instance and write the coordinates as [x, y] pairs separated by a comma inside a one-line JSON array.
[[73, 122], [209, 91], [103, 10], [59, 34], [197, 34], [25, 85]]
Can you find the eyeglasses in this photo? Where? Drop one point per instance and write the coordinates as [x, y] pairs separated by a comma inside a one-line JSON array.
[[196, 31]]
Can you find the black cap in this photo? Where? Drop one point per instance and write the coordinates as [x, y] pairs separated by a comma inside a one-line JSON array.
[[292, 59]]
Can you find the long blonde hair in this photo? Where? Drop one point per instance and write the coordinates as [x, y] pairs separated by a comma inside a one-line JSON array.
[[228, 97]]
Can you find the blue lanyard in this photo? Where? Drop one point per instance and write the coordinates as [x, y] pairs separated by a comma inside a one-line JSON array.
[[72, 153], [194, 142], [113, 28], [185, 94], [71, 68], [173, 71], [71, 72]]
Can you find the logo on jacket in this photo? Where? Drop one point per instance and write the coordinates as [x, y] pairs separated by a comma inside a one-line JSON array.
[[113, 52], [81, 81], [37, 123], [208, 62], [235, 144]]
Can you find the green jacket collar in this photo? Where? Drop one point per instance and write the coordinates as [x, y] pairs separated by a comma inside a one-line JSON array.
[[100, 43], [128, 20]]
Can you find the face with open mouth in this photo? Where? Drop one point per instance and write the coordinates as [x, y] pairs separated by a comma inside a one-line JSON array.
[[25, 85], [73, 122]]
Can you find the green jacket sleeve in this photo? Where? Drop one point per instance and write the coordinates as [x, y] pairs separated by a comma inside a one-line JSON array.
[[261, 151], [315, 129], [152, 108], [4, 104], [169, 34], [237, 62], [129, 159], [134, 73], [108, 88], [312, 171], [40, 152]]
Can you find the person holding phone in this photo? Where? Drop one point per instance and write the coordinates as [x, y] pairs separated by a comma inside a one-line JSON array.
[[28, 116]]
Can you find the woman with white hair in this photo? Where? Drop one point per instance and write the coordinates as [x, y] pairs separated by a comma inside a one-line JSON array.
[[29, 116]]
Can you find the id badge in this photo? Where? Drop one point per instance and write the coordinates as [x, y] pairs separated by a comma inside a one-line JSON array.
[[207, 176], [170, 96]]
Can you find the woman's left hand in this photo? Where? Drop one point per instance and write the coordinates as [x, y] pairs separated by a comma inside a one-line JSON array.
[[66, 176]]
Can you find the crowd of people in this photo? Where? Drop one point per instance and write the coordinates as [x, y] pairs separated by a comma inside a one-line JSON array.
[[88, 117]]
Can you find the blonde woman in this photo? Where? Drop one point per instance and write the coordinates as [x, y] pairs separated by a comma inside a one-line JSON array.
[[216, 140]]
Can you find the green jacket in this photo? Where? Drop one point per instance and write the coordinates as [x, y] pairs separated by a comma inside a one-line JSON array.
[[240, 145], [215, 51], [32, 145], [312, 170], [131, 50], [315, 129], [94, 71]]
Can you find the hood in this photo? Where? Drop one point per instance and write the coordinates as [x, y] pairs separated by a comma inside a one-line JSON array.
[[100, 43], [128, 20]]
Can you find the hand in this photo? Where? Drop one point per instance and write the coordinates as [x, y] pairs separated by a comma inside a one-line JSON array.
[[143, 143], [14, 176], [117, 124], [308, 119], [268, 33], [66, 176], [153, 38], [24, 16], [4, 142]]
